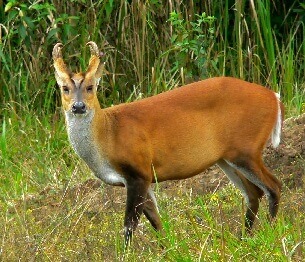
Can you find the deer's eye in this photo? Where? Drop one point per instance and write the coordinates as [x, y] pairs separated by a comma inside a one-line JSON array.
[[89, 89], [66, 90]]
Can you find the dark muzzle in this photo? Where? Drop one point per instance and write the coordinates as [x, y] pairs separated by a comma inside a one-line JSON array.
[[79, 108]]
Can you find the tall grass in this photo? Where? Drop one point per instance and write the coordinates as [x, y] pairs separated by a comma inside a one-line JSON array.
[[150, 47], [143, 57]]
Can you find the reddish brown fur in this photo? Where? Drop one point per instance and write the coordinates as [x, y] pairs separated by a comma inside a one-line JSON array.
[[206, 119]]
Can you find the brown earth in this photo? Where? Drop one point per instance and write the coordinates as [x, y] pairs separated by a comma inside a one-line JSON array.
[[287, 160]]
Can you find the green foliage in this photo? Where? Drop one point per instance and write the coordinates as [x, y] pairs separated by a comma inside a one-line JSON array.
[[23, 20], [191, 41], [76, 222], [3, 145], [150, 47]]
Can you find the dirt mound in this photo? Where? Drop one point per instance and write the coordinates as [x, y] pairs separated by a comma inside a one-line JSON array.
[[287, 161]]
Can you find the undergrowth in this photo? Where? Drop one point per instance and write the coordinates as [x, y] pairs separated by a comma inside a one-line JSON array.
[[53, 209], [151, 46], [49, 210]]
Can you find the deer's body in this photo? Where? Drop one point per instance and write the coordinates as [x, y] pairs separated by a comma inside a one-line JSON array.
[[174, 135]]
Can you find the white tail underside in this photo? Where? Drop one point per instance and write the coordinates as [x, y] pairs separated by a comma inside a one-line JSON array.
[[276, 132]]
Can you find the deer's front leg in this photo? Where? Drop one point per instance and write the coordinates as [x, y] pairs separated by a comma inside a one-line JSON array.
[[137, 189]]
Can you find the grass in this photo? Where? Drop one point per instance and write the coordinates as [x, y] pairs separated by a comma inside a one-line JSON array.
[[148, 48], [48, 213]]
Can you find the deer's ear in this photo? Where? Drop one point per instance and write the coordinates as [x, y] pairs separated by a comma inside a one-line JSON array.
[[99, 72], [58, 79], [62, 73]]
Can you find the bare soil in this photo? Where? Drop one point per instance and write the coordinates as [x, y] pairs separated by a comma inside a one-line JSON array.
[[287, 161]]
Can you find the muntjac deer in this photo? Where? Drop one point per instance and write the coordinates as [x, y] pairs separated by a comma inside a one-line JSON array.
[[173, 135]]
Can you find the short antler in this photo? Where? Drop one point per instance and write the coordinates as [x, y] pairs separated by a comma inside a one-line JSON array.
[[94, 62], [93, 49], [57, 51], [59, 64]]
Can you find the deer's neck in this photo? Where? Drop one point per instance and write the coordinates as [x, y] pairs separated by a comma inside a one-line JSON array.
[[80, 131]]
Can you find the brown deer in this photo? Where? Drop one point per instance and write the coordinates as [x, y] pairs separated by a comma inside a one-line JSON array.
[[174, 135]]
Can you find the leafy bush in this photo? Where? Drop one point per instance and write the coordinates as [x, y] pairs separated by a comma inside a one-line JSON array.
[[191, 42], [150, 47]]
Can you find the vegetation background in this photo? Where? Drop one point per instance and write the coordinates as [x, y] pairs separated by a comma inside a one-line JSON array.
[[149, 46]]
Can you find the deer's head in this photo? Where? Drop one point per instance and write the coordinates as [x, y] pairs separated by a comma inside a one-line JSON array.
[[78, 90]]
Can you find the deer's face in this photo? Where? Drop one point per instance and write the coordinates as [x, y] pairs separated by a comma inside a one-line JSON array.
[[78, 91]]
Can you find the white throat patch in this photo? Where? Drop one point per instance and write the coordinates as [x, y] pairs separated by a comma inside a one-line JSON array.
[[80, 134]]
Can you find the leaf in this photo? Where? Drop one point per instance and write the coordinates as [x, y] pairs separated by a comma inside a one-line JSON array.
[[174, 38], [29, 22], [74, 17], [9, 5], [52, 32], [12, 15], [109, 8], [22, 31], [45, 6]]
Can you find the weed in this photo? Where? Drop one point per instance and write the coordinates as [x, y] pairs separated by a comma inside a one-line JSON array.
[[47, 212]]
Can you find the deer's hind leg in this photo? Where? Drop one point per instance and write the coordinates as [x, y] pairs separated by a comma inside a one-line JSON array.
[[250, 191]]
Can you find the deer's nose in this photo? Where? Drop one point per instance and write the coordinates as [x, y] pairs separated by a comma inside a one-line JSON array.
[[79, 108]]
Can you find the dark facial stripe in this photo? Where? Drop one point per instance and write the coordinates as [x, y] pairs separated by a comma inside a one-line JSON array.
[[77, 84]]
